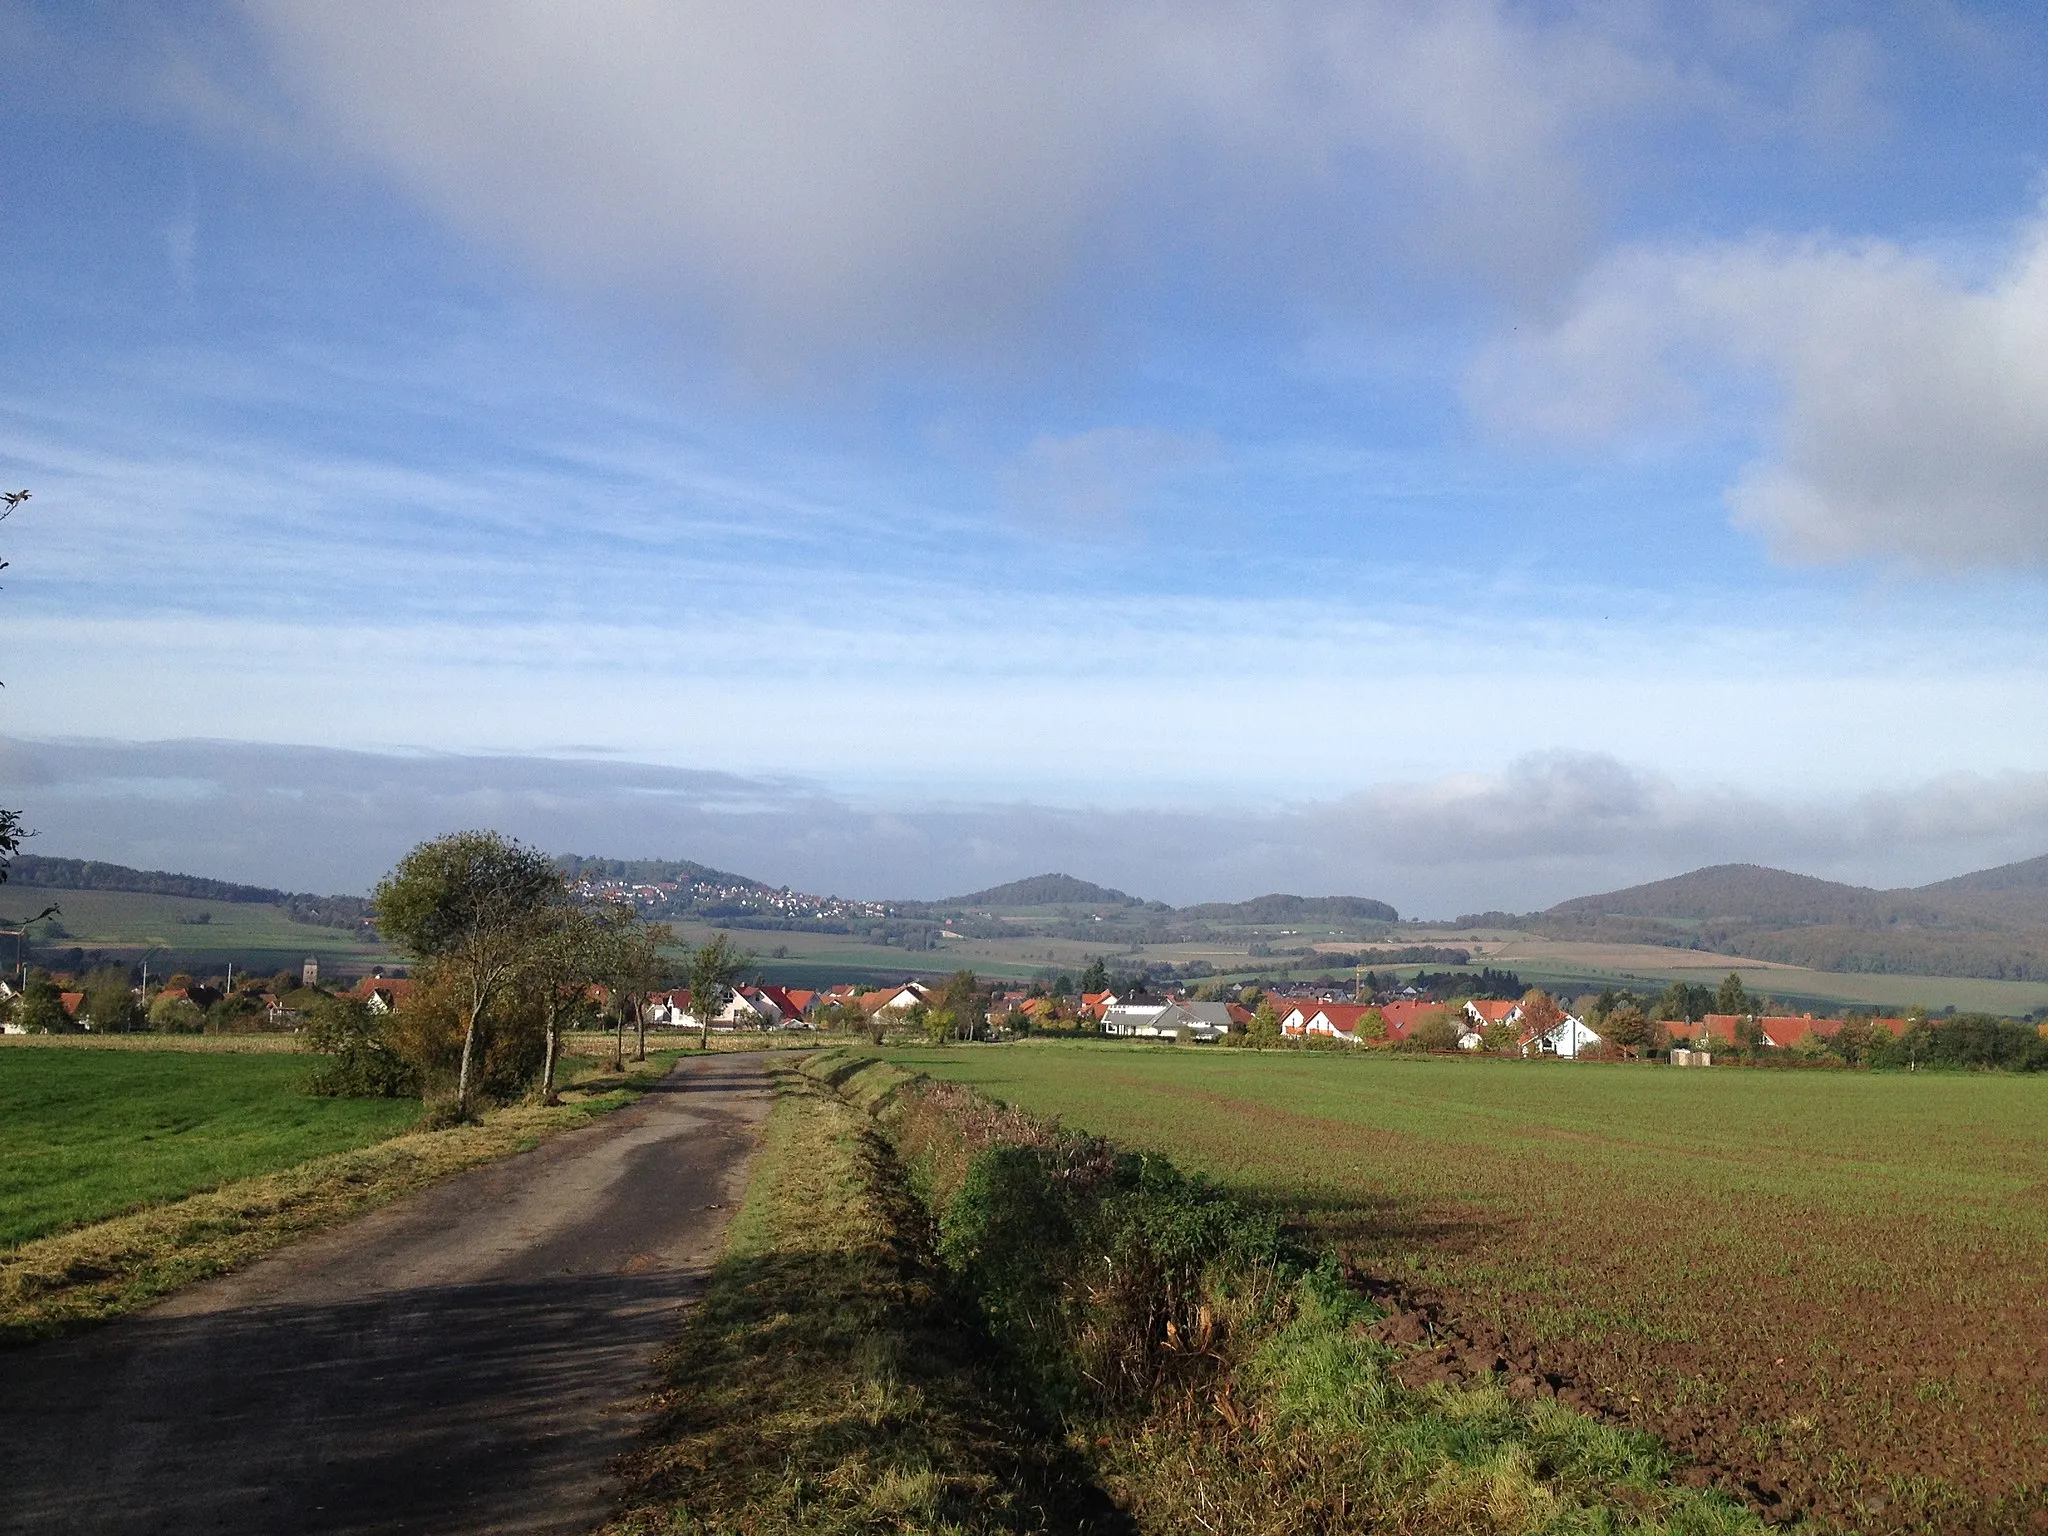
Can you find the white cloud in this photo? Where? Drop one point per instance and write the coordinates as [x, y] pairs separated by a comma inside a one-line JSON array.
[[1909, 405], [811, 178]]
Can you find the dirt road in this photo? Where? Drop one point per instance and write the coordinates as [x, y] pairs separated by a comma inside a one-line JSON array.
[[464, 1360]]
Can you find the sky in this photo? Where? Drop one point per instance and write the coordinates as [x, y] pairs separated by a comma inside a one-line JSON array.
[[1462, 453]]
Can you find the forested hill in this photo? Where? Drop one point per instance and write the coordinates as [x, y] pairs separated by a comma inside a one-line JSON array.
[[1992, 923], [31, 869], [1749, 893], [1043, 891], [1290, 909]]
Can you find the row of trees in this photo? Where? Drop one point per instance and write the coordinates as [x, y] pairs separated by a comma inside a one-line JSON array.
[[506, 959]]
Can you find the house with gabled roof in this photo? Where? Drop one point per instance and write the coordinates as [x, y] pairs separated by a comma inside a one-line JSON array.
[[1568, 1039], [775, 1005], [1403, 1014], [1332, 1021], [382, 994], [1484, 1013], [897, 1000], [1159, 1019]]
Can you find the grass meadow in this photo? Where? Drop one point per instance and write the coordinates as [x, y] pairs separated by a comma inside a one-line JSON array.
[[88, 1134], [1836, 1281]]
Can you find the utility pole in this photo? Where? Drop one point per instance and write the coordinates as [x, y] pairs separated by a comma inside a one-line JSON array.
[[20, 932]]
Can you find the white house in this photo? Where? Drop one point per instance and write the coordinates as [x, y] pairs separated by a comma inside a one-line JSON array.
[[1168, 1021], [1482, 1014], [895, 1000], [1566, 1039], [1142, 1019]]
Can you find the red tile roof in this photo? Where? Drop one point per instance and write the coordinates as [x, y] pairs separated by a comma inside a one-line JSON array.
[[1406, 1014], [1341, 1017]]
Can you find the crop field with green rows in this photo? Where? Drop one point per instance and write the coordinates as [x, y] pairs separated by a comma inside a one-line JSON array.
[[1832, 1284]]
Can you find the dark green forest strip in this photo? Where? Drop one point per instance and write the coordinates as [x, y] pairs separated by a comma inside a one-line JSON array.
[[93, 1273]]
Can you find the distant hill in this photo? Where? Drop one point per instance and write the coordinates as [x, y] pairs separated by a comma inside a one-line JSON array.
[[1290, 909], [2027, 875], [1993, 923], [35, 870], [1044, 891], [1751, 893]]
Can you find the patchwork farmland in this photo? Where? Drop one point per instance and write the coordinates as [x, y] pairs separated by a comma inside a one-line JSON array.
[[1827, 1289]]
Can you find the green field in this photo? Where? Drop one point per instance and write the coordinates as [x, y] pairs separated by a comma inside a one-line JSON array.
[[88, 1134], [123, 925], [1842, 1274], [186, 931], [819, 959]]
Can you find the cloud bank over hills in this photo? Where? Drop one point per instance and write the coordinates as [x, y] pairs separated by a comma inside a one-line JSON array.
[[1551, 827]]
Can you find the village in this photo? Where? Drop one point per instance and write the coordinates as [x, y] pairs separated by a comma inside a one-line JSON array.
[[1409, 1018]]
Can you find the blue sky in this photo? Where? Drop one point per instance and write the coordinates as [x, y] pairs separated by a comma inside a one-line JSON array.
[[1620, 429]]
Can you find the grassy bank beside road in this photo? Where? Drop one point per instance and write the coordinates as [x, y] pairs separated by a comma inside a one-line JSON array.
[[87, 1273], [828, 1382]]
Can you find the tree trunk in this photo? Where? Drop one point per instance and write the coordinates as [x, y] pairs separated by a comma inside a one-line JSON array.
[[547, 1064], [468, 1050], [640, 1023], [619, 1040]]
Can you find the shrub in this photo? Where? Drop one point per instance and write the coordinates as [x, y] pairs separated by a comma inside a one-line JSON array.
[[1434, 1031], [362, 1064], [176, 1015], [427, 1031], [41, 1010], [1096, 1271]]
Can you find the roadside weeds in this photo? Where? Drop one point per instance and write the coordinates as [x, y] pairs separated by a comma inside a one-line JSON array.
[[828, 1381]]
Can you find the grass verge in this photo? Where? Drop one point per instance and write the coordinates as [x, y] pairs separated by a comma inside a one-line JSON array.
[[830, 1381], [91, 1274]]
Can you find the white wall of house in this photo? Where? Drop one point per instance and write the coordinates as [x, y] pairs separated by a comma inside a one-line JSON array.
[[1571, 1036]]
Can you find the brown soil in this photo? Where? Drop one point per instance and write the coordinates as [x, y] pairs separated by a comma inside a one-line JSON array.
[[1943, 1457]]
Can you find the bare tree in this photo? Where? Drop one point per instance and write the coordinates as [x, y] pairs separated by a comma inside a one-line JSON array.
[[11, 830]]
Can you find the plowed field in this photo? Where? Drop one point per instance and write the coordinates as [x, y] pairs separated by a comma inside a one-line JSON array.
[[1829, 1288]]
